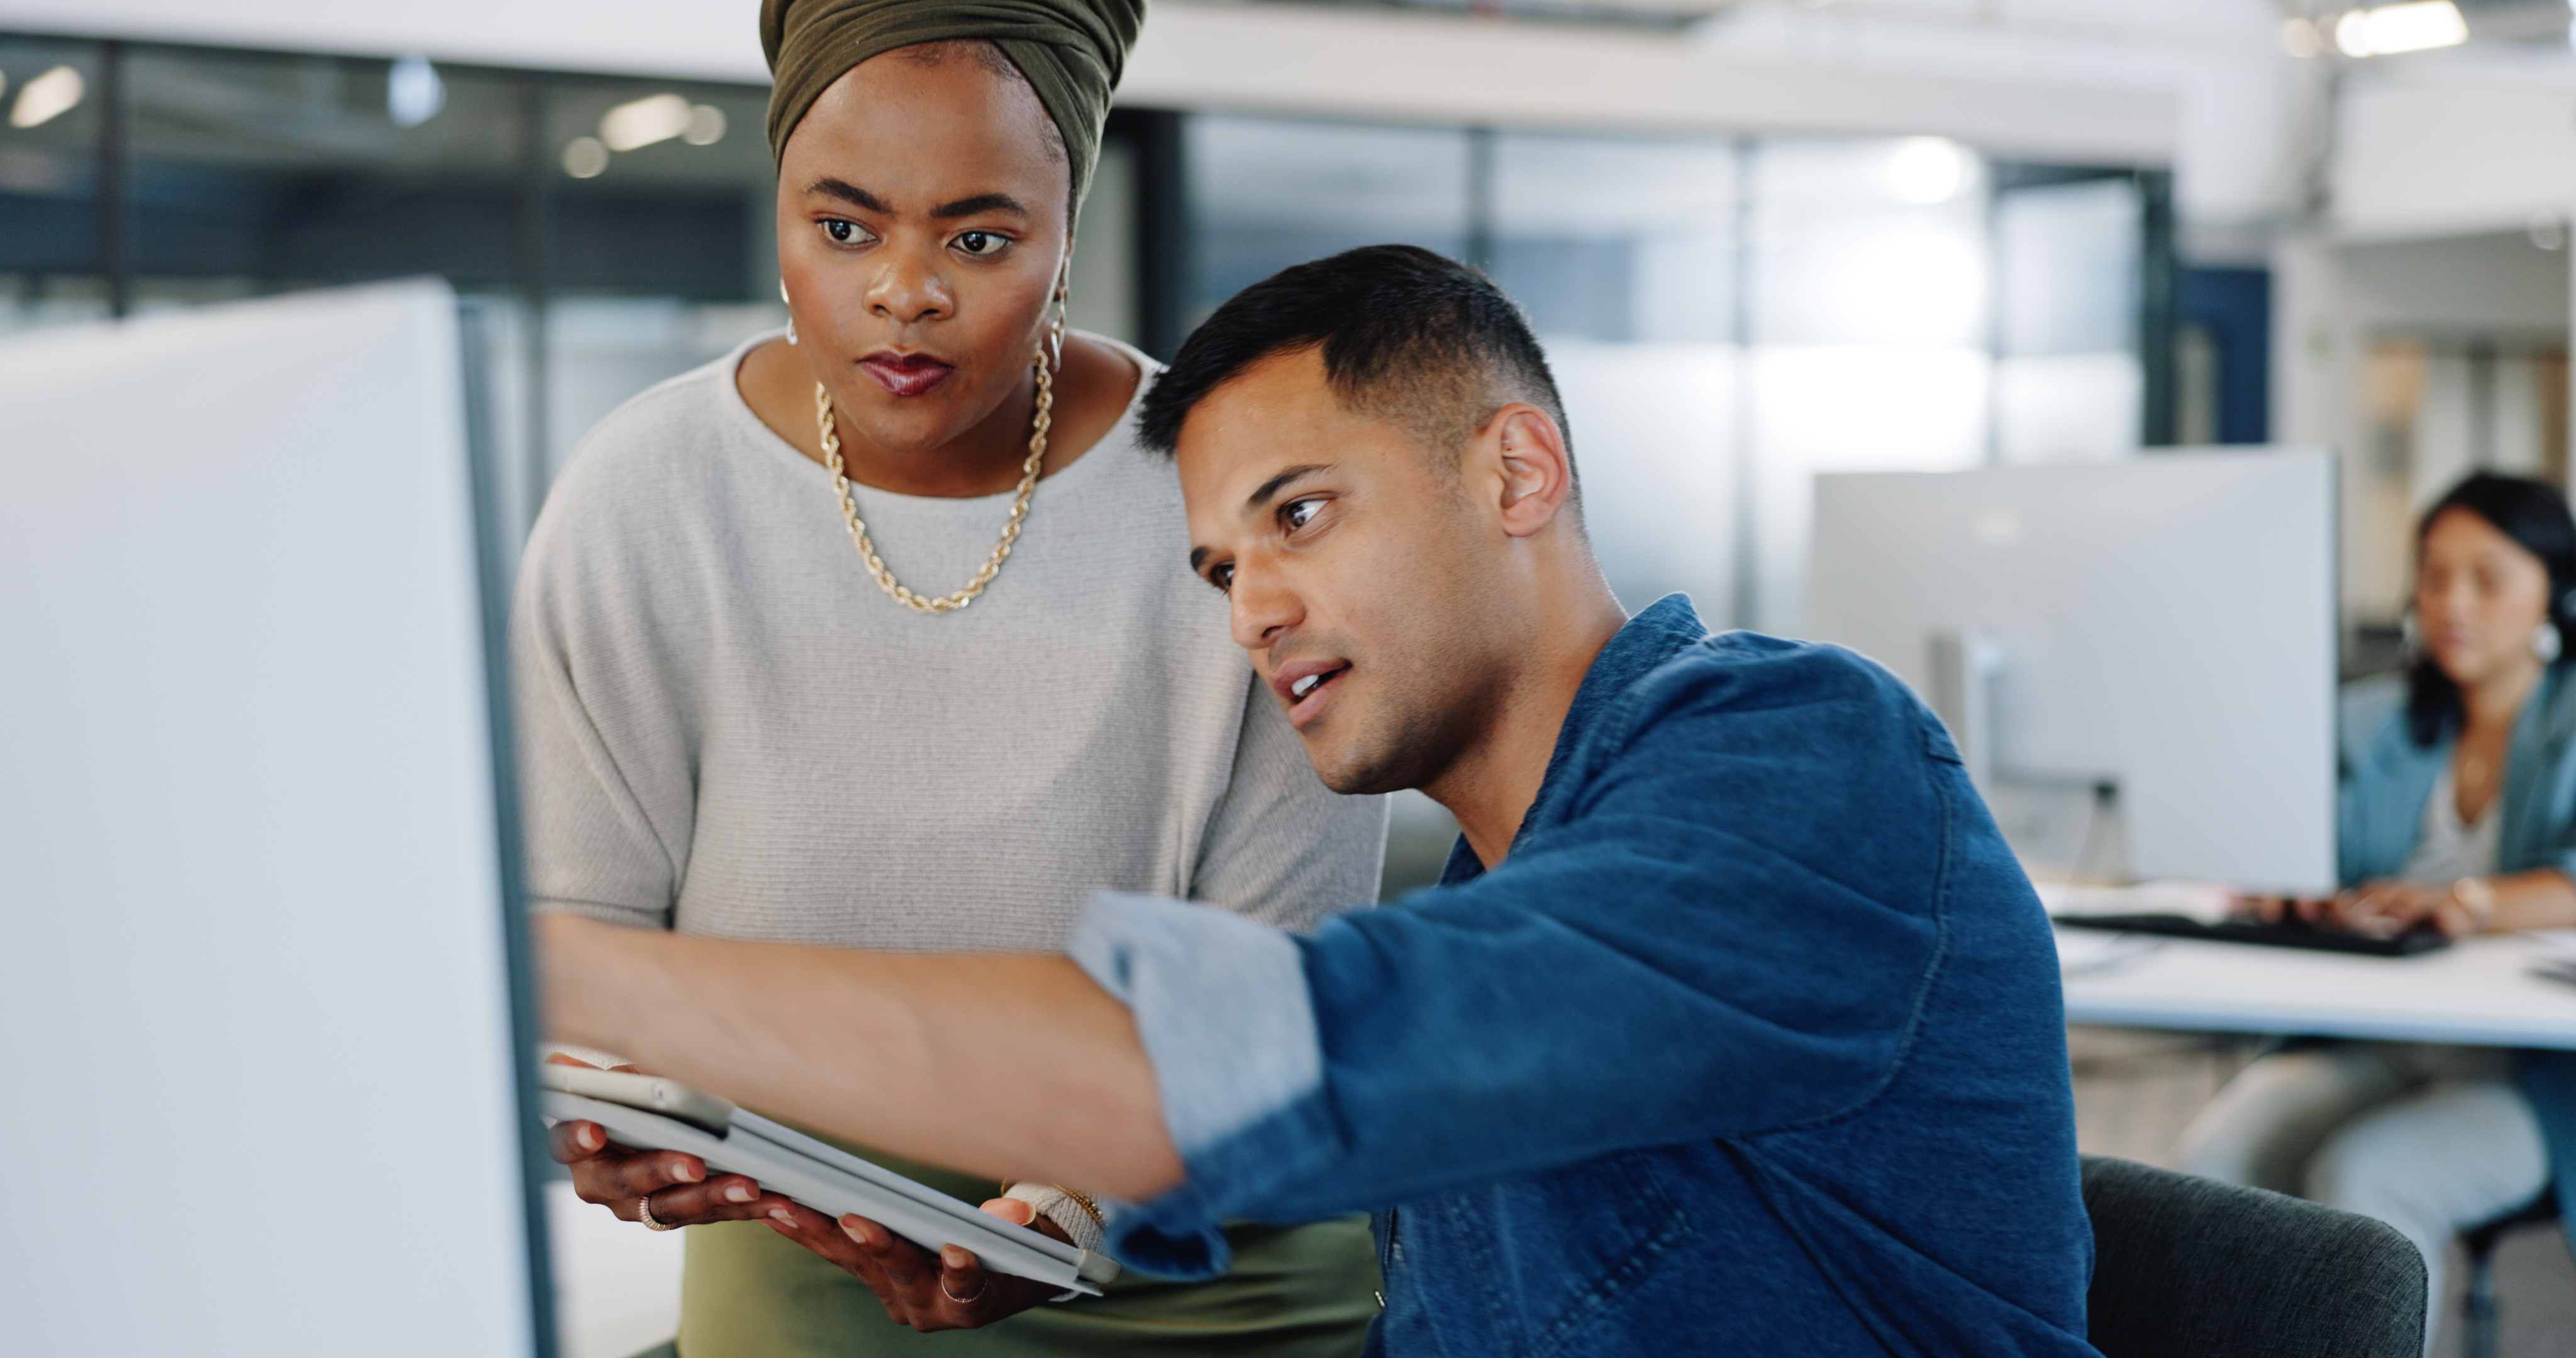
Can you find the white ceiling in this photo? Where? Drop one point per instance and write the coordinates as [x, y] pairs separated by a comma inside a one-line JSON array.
[[2200, 84], [702, 39]]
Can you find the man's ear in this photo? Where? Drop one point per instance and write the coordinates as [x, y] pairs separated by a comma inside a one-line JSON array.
[[1527, 451]]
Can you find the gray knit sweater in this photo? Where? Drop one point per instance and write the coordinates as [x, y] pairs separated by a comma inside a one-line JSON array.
[[727, 728]]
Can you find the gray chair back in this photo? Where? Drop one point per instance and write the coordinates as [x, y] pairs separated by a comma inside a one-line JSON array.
[[2185, 1267]]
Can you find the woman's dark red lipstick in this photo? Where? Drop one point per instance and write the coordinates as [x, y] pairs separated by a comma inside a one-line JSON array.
[[906, 374]]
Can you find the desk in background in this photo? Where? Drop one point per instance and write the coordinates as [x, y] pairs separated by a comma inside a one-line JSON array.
[[2478, 992]]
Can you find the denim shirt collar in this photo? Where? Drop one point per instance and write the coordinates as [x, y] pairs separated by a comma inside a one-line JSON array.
[[1652, 637]]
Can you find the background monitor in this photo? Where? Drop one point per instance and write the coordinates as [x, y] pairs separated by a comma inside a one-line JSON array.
[[264, 1069], [2138, 657]]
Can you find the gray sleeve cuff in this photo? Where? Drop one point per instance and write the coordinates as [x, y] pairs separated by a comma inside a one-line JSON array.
[[1220, 1002]]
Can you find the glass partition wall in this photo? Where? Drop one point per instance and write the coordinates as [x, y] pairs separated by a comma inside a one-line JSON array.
[[180, 175], [53, 269], [1728, 316], [616, 231]]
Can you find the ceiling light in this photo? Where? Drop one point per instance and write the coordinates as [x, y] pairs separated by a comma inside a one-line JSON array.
[[2299, 38], [585, 158], [2413, 27], [1927, 170], [706, 126], [47, 97], [654, 118], [413, 92], [2547, 230]]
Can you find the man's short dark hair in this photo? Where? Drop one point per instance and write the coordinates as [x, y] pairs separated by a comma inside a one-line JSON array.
[[1420, 341]]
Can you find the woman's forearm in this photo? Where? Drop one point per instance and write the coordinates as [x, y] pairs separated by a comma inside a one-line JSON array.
[[1012, 1065], [2542, 898]]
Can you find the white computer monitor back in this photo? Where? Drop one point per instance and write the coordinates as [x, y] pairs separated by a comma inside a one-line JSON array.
[[2167, 622], [259, 1055]]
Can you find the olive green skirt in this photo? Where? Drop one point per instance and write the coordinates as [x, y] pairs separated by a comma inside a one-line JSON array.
[[1294, 1292]]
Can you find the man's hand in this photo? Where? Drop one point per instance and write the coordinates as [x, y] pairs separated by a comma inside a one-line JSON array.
[[946, 1291], [1002, 1065], [619, 1179]]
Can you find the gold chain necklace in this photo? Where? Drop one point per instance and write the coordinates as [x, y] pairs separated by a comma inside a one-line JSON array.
[[1010, 530]]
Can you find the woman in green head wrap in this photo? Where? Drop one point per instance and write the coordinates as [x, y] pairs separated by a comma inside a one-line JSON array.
[[880, 632]]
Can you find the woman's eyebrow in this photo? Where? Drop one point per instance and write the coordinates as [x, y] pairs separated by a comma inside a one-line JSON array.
[[964, 207], [982, 202], [849, 193]]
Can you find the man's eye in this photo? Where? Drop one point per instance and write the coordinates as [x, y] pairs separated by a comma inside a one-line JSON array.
[[982, 243], [1222, 577], [843, 231], [1298, 513]]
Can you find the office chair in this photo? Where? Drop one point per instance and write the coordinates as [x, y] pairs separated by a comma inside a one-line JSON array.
[[2478, 1309], [2186, 1267]]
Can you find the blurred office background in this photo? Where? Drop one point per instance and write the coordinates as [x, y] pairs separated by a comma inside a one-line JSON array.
[[1761, 238]]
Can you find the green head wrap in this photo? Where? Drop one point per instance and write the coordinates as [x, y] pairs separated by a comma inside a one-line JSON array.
[[1072, 52]]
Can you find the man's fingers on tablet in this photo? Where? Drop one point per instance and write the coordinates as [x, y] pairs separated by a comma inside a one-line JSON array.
[[1012, 1210], [1020, 1213]]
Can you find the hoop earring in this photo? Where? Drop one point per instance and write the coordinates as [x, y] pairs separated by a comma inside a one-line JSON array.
[[1063, 304], [791, 310]]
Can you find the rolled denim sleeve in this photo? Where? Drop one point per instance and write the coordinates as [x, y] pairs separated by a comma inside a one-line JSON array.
[[1222, 1007], [1723, 923]]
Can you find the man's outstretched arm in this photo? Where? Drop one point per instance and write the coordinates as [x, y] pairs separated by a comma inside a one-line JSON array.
[[1013, 1065]]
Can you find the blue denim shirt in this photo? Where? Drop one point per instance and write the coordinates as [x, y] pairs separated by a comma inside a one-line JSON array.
[[1752, 1045]]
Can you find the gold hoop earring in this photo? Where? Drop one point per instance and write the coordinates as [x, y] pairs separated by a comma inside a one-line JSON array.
[[1063, 305]]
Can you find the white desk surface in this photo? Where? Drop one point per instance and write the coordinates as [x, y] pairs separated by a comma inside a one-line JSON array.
[[2479, 991]]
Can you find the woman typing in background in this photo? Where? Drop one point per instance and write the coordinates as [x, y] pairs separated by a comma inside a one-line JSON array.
[[2458, 812]]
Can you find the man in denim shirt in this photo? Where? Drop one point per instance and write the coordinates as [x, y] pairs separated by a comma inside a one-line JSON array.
[[1733, 1026]]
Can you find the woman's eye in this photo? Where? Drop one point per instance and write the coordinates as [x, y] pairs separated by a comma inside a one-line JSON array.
[[982, 243], [1222, 577], [843, 231], [1298, 513]]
